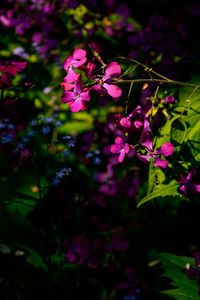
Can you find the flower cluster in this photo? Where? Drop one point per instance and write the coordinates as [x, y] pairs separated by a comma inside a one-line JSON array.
[[83, 250], [76, 94]]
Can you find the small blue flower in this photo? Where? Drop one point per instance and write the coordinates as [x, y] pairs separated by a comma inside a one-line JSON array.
[[20, 147], [10, 126], [6, 138], [55, 181], [89, 155], [45, 130], [70, 141], [24, 139], [31, 133], [130, 297], [33, 123], [66, 153], [63, 172], [97, 152], [97, 160], [49, 120], [58, 123]]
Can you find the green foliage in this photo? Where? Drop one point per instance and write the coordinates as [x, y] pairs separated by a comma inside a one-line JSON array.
[[34, 258], [178, 131], [162, 190], [174, 269]]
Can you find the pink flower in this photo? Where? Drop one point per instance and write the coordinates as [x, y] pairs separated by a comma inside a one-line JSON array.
[[69, 80], [169, 99], [104, 84], [187, 185], [120, 148], [76, 60], [76, 99], [134, 119], [165, 150], [78, 250], [13, 67], [125, 122]]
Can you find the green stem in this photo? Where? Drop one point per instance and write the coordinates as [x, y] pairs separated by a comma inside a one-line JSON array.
[[174, 82]]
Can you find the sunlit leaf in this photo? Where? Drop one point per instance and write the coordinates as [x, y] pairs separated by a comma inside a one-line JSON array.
[[162, 190], [174, 269], [178, 131]]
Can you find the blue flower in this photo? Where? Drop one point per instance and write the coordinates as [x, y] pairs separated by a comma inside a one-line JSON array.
[[70, 141], [45, 130], [24, 139], [6, 138], [97, 160], [66, 153], [58, 123], [89, 155], [31, 133], [33, 123], [130, 297], [20, 147], [55, 181]]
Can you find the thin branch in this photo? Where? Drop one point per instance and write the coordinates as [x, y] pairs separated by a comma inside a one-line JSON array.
[[173, 82]]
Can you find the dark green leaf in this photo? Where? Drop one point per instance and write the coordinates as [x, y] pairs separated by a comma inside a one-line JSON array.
[[35, 259], [174, 269], [178, 131]]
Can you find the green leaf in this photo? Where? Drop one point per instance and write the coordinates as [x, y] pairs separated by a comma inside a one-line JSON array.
[[129, 70], [156, 176], [193, 119], [180, 295], [162, 190], [35, 259], [174, 269], [178, 131]]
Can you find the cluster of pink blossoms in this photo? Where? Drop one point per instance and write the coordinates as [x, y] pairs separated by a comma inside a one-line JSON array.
[[75, 93], [101, 80]]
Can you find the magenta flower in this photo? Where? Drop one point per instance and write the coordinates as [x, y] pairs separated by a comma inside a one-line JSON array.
[[165, 150], [12, 67], [77, 250], [77, 98], [119, 244], [169, 99], [70, 79], [120, 148], [76, 60], [134, 119], [104, 84], [125, 122], [187, 185]]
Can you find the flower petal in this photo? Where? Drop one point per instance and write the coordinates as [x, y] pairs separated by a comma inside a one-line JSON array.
[[121, 156], [161, 163], [115, 149], [113, 69], [79, 54], [197, 188], [85, 96], [113, 90], [78, 63], [71, 76], [125, 122], [119, 141], [77, 105], [67, 97], [166, 149]]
